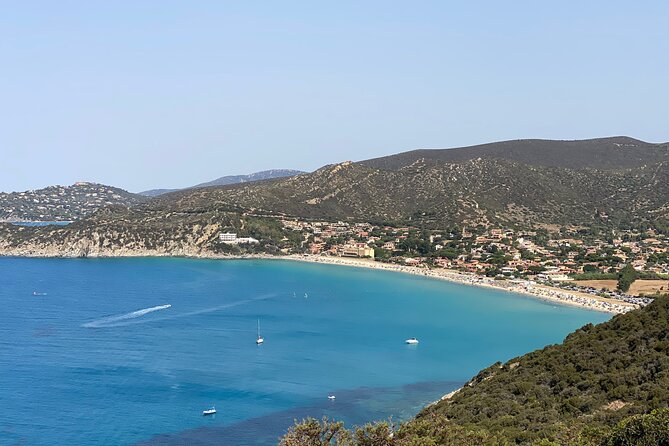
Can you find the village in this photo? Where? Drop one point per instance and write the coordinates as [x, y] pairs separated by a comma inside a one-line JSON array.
[[569, 259]]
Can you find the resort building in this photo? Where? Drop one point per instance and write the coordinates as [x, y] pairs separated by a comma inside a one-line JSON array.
[[227, 237], [356, 250], [231, 238]]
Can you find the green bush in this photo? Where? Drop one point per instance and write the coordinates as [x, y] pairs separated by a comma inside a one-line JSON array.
[[642, 430]]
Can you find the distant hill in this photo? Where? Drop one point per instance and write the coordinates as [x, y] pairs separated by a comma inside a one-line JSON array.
[[156, 192], [232, 179], [428, 192], [437, 194], [63, 203], [618, 152], [258, 176]]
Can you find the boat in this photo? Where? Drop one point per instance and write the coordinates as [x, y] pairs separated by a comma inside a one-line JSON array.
[[331, 397], [411, 341], [306, 295], [211, 411], [35, 293], [260, 339]]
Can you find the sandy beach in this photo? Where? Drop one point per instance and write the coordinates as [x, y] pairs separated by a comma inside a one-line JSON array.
[[522, 286]]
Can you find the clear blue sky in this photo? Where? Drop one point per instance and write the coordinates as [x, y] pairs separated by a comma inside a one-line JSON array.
[[144, 94]]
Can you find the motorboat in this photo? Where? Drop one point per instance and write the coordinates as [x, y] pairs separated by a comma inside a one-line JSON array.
[[211, 411], [259, 339], [411, 341]]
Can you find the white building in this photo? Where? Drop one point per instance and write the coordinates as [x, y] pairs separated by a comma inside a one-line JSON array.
[[231, 238], [245, 240], [227, 237]]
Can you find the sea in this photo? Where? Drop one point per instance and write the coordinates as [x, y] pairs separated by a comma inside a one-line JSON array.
[[40, 223], [131, 351]]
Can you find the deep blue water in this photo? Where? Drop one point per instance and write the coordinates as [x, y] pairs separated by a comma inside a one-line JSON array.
[[78, 367]]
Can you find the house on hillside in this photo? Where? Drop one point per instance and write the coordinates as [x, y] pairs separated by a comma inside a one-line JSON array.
[[230, 238]]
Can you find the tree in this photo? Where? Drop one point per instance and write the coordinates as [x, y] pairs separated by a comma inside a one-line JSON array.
[[626, 278], [381, 254], [536, 268], [377, 434], [311, 432], [590, 269], [642, 430]]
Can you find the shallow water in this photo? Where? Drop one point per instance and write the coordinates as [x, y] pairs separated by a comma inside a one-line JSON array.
[[40, 223], [102, 359]]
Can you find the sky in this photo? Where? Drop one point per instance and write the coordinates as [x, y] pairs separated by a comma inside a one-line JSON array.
[[163, 94]]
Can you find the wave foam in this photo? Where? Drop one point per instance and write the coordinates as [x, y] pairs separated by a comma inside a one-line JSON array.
[[111, 321], [125, 319]]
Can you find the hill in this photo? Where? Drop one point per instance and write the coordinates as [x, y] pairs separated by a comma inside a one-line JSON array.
[[427, 193], [156, 192], [619, 152], [590, 390], [433, 193], [257, 176], [63, 203], [231, 179]]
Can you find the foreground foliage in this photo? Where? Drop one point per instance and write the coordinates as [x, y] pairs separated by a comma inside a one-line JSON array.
[[605, 385]]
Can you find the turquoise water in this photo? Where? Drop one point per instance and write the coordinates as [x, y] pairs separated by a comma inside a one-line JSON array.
[[93, 359], [41, 223]]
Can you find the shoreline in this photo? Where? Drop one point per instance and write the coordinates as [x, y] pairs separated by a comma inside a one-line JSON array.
[[527, 288], [543, 292]]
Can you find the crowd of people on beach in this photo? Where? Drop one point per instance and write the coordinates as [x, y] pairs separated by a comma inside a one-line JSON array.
[[518, 286]]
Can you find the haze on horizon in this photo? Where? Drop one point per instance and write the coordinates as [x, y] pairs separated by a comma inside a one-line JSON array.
[[139, 96]]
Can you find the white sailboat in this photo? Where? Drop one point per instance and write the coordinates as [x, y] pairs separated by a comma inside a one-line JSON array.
[[260, 339]]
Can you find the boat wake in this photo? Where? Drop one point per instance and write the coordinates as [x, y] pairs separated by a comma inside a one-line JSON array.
[[112, 321], [129, 318]]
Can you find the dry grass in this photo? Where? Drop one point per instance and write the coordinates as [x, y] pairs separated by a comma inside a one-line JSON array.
[[638, 287], [609, 284], [649, 286]]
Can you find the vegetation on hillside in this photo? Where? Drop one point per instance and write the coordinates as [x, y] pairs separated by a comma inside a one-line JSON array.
[[437, 194], [509, 186], [58, 203], [613, 153]]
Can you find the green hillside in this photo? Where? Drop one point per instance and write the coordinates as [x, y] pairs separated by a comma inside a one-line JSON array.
[[430, 193]]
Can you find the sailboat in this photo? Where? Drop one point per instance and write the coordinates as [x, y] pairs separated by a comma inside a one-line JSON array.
[[260, 339]]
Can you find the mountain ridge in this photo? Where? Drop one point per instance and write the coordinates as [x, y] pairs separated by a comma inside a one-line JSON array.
[[230, 179], [474, 191], [427, 193], [601, 153]]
